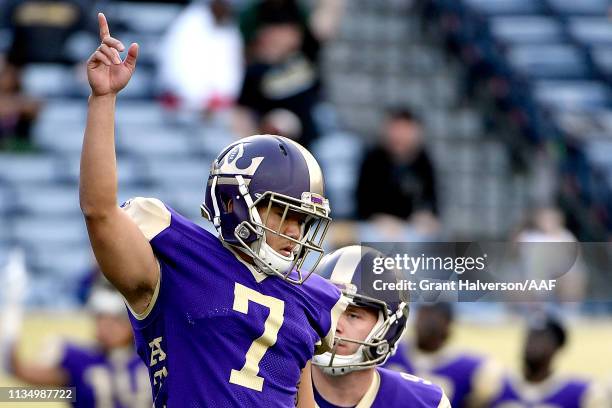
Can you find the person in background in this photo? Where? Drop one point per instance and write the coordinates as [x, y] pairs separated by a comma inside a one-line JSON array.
[[108, 374], [201, 59], [283, 46], [40, 29], [396, 177], [539, 384], [18, 111], [468, 380], [367, 335], [548, 250]]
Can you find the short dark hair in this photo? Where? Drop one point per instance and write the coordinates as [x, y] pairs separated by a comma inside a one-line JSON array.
[[551, 325], [273, 12], [402, 113], [444, 309]]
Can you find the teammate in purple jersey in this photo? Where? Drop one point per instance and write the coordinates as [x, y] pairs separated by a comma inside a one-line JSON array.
[[539, 386], [469, 380], [220, 321], [366, 336], [107, 375]]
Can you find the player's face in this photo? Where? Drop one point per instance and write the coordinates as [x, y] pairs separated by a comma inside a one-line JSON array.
[[291, 226], [355, 323], [113, 331]]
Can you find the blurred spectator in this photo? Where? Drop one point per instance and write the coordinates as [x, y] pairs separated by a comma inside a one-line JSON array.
[[539, 385], [468, 380], [40, 29], [17, 110], [549, 250], [283, 44], [200, 64], [397, 176]]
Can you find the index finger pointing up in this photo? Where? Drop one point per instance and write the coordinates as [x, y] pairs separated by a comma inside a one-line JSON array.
[[104, 31]]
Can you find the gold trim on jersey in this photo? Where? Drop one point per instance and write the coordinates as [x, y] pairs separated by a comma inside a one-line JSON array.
[[150, 215], [145, 313]]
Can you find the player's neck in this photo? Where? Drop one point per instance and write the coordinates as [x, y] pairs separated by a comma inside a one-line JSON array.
[[343, 390]]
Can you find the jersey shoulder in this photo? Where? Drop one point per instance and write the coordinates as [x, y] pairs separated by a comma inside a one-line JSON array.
[[328, 303], [401, 387], [156, 220]]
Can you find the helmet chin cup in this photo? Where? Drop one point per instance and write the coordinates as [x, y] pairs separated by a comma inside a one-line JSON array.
[[271, 262], [336, 365]]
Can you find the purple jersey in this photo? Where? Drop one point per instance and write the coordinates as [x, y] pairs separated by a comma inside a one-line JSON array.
[[459, 374], [554, 392], [106, 380], [391, 389], [219, 333]]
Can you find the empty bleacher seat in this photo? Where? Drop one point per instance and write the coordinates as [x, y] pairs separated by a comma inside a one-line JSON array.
[[60, 137], [33, 231], [145, 113], [507, 7], [47, 200], [154, 17], [599, 153], [18, 169], [150, 141], [188, 172], [61, 261], [6, 202], [129, 171], [61, 110], [572, 95], [211, 140], [526, 29], [604, 119], [591, 31], [186, 201], [602, 58], [548, 61], [49, 80], [580, 7], [338, 147]]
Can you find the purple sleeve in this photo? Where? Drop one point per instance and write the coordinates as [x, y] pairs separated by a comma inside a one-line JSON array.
[[330, 305]]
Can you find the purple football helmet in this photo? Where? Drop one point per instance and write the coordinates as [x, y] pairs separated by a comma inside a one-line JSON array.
[[263, 171], [344, 268]]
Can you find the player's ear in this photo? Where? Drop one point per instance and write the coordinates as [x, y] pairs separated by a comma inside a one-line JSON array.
[[229, 206]]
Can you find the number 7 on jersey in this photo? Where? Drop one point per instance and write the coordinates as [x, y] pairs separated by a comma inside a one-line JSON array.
[[247, 375]]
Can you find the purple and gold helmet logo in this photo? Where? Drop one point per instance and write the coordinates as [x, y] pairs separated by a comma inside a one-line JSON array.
[[229, 165]]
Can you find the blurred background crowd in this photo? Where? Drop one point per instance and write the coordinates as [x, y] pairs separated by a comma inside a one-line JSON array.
[[458, 120]]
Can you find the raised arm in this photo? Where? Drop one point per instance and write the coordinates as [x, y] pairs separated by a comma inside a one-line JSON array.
[[123, 252]]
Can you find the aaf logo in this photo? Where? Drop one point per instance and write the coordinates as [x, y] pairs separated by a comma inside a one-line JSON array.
[[228, 165]]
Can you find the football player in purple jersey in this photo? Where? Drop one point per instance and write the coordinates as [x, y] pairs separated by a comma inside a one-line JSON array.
[[221, 321], [539, 385], [108, 375], [366, 335], [468, 379]]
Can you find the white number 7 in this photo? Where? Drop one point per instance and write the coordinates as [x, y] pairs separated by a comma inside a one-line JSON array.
[[247, 375]]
